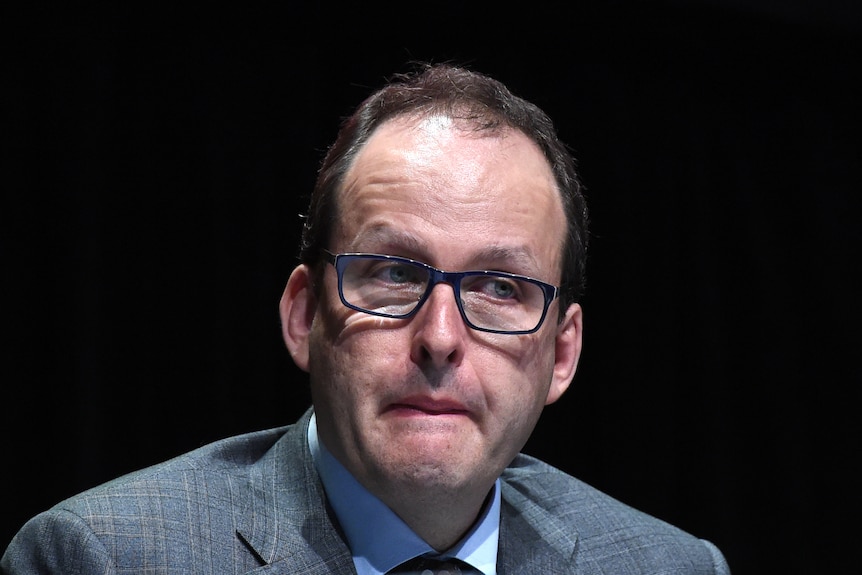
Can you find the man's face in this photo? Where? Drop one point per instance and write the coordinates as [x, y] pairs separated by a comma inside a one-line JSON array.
[[427, 403]]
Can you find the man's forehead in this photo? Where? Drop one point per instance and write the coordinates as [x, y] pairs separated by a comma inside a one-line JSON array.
[[419, 138], [395, 185]]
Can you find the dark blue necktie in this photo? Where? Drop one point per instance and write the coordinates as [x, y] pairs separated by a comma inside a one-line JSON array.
[[428, 566]]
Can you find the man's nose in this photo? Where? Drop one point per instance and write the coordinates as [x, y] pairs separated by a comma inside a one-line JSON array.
[[439, 329]]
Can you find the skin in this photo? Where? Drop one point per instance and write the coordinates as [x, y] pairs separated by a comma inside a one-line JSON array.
[[426, 412]]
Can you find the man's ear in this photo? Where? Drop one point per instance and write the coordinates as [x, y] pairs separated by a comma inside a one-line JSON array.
[[297, 308], [567, 352]]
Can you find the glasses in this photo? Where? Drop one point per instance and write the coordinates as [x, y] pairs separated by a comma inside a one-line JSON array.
[[491, 301]]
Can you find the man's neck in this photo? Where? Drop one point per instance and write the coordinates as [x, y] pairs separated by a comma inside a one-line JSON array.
[[440, 518]]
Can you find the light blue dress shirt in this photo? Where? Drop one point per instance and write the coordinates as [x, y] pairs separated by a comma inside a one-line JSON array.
[[389, 542]]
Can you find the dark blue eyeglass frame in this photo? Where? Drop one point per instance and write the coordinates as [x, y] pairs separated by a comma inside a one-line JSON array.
[[436, 276]]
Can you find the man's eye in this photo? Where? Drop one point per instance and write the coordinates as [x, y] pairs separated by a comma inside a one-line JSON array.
[[503, 288], [398, 274], [495, 288]]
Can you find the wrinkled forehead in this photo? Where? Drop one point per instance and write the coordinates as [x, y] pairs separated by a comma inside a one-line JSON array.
[[438, 177]]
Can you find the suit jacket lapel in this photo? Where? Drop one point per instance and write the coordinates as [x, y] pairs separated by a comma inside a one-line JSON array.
[[284, 497]]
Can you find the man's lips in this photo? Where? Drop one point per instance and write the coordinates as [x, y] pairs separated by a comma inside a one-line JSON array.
[[429, 406]]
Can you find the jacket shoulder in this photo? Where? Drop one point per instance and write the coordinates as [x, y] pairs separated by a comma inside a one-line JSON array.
[[229, 456], [182, 514], [610, 536]]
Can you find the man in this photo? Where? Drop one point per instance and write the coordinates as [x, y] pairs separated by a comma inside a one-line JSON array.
[[436, 312]]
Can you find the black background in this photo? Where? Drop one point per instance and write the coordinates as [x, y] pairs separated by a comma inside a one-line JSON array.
[[154, 166]]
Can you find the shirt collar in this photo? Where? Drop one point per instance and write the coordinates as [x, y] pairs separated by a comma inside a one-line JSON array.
[[391, 542]]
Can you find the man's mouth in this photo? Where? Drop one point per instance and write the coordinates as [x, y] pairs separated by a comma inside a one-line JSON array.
[[428, 406]]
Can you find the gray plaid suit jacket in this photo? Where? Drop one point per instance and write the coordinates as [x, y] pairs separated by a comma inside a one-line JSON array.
[[253, 504]]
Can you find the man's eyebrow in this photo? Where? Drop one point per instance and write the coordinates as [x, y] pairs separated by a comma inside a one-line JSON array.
[[384, 236], [517, 259]]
